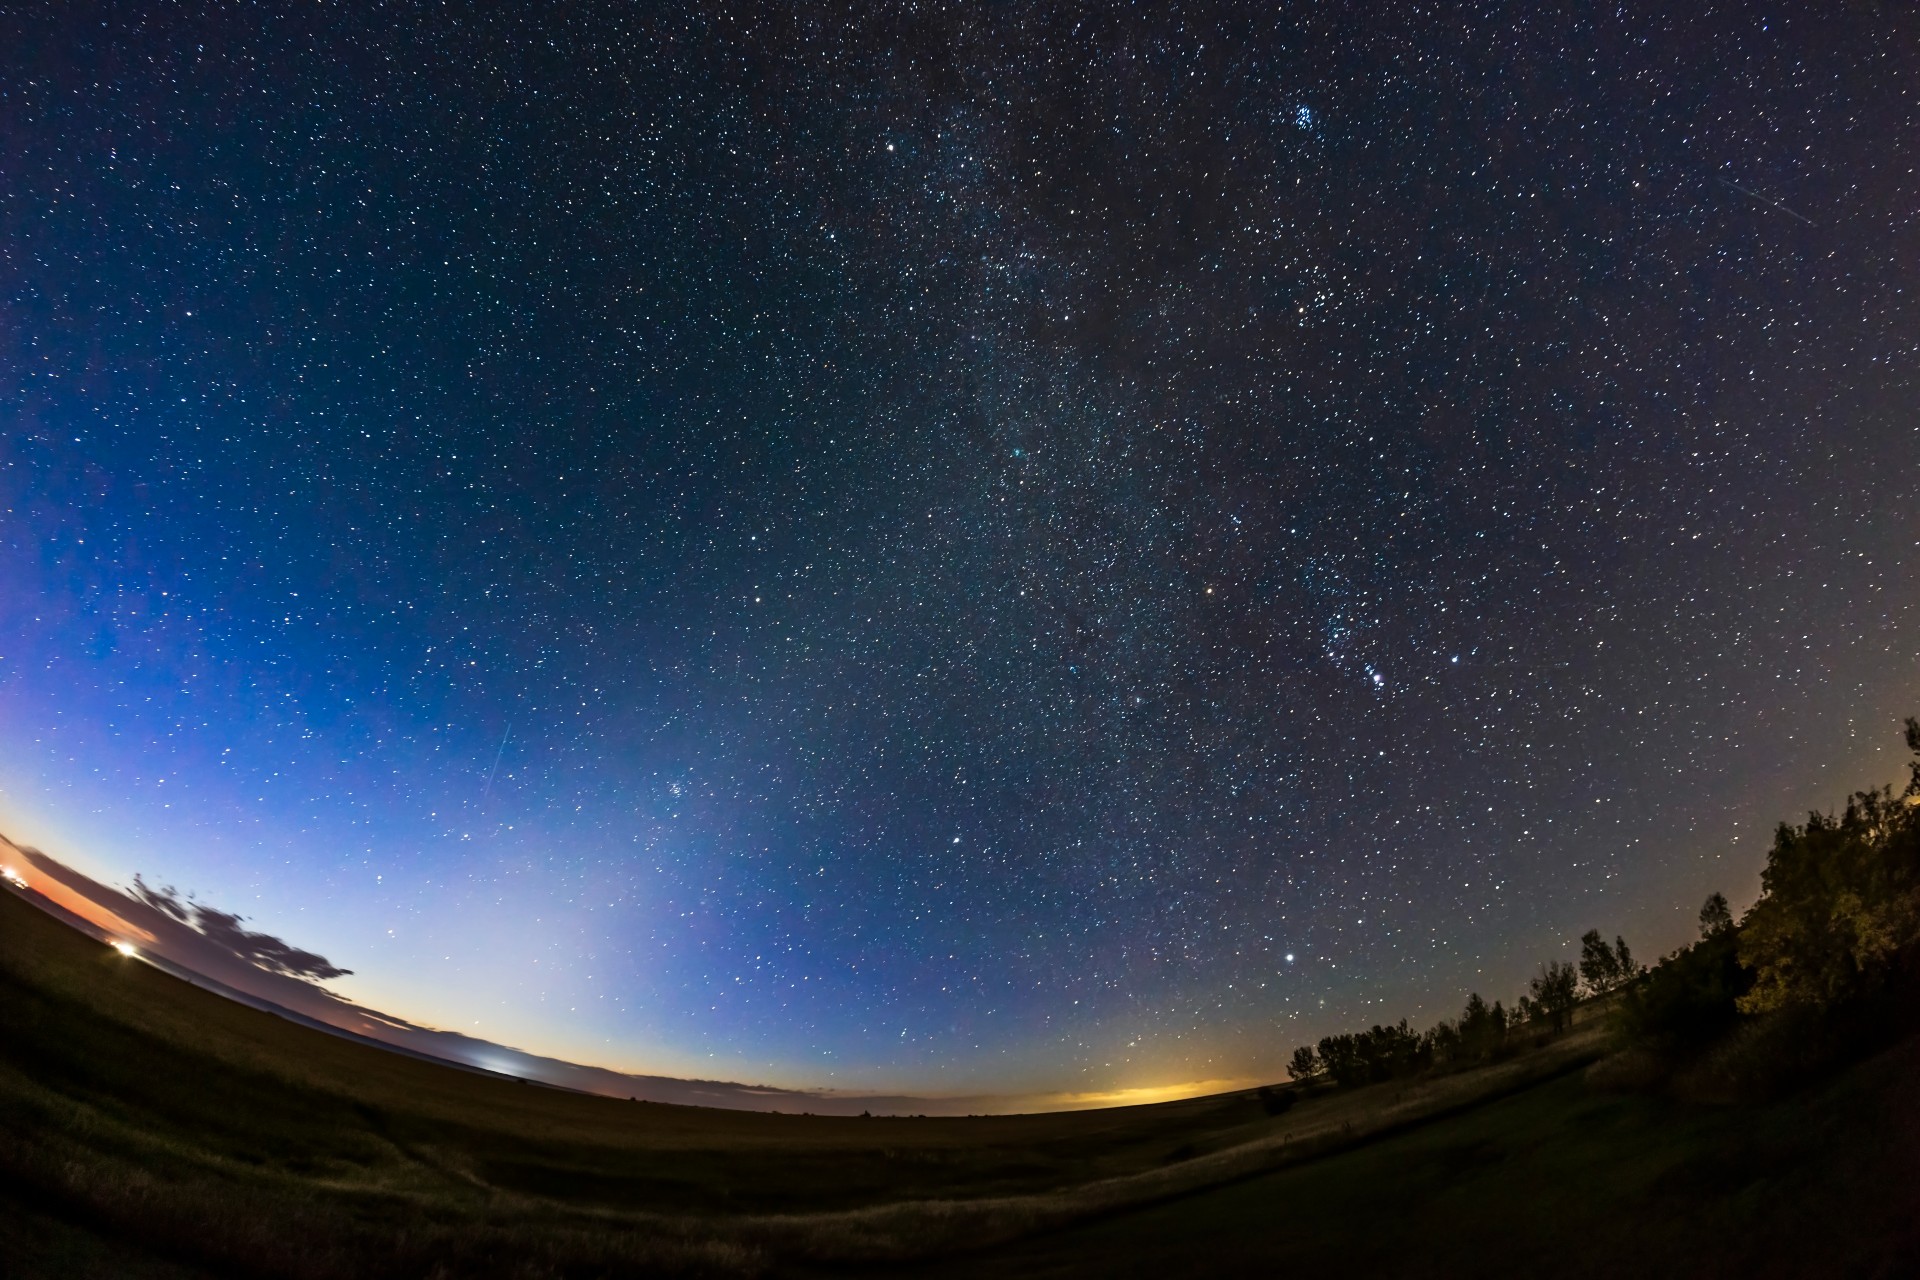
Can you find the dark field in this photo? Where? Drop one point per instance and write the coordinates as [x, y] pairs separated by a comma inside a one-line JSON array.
[[1559, 1181], [148, 1128]]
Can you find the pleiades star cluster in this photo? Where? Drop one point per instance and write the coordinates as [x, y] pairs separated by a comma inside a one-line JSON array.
[[967, 546]]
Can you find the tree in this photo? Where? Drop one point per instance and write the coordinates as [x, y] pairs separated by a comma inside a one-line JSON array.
[[1624, 958], [1305, 1064], [1840, 902], [1394, 1051], [1715, 916], [1443, 1042], [1688, 1000], [1480, 1028], [1556, 988], [1605, 968], [1599, 966], [1340, 1059]]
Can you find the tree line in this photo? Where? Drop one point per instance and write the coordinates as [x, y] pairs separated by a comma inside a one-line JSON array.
[[1825, 963], [1480, 1034]]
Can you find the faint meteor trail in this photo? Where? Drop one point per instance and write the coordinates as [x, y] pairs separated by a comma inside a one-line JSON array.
[[488, 789], [1771, 202]]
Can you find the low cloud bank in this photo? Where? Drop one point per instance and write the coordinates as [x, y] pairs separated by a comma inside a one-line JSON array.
[[223, 929]]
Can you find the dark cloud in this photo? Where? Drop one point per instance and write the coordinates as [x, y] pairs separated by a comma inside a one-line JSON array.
[[225, 929]]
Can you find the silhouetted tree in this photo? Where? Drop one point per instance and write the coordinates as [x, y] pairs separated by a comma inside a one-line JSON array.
[[1340, 1059], [1305, 1064], [1688, 999], [1443, 1043], [1556, 989], [1599, 966], [1605, 968], [1481, 1029], [1393, 1051], [1624, 959], [1715, 916]]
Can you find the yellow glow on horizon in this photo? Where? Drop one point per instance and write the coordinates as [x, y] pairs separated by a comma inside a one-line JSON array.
[[1141, 1095], [125, 948]]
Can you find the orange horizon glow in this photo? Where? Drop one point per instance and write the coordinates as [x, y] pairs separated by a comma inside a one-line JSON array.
[[79, 904]]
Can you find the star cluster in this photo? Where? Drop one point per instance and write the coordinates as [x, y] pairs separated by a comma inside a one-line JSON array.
[[958, 546]]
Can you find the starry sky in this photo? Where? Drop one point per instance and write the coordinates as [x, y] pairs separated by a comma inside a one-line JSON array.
[[951, 547]]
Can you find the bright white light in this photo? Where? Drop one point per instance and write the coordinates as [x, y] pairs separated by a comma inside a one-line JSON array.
[[125, 948], [13, 877], [1289, 957]]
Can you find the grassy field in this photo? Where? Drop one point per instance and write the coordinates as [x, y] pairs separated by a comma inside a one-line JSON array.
[[1557, 1181], [148, 1128]]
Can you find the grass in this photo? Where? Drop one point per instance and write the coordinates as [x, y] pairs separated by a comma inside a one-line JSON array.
[[149, 1128], [1559, 1180]]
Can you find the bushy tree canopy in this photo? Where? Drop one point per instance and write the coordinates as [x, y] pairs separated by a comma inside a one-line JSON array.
[[1841, 901]]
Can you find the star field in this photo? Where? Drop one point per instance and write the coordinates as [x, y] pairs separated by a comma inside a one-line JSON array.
[[958, 546]]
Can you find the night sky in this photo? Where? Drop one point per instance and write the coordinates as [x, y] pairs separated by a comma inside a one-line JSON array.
[[971, 547]]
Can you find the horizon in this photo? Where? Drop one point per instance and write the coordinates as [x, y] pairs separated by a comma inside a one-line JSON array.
[[102, 911], [183, 952]]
